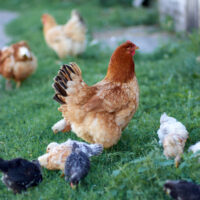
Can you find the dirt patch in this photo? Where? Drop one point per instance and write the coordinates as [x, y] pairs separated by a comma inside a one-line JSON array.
[[5, 18], [148, 38]]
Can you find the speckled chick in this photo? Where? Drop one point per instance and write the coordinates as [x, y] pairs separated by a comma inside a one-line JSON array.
[[56, 154], [20, 174], [77, 166], [182, 190]]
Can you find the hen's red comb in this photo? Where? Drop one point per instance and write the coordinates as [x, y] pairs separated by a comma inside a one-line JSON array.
[[128, 41]]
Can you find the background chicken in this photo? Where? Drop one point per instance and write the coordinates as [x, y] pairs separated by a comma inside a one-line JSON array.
[[99, 113], [172, 135], [68, 39], [17, 62], [56, 154]]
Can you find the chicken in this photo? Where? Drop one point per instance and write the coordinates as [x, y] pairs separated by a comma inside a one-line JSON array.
[[172, 135], [20, 174], [195, 148], [182, 190], [68, 39], [77, 166], [17, 62], [56, 154], [139, 3], [99, 113]]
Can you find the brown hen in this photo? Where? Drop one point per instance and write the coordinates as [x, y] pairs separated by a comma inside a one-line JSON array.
[[99, 113], [17, 62]]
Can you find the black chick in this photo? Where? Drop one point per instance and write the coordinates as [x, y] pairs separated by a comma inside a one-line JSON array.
[[146, 3], [77, 166], [182, 190], [20, 174]]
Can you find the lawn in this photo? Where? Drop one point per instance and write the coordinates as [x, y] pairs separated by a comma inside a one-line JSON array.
[[135, 168]]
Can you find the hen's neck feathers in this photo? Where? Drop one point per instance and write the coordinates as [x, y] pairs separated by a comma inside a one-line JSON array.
[[121, 67], [49, 23]]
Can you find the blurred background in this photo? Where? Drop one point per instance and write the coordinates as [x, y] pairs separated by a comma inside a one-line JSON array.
[[149, 23]]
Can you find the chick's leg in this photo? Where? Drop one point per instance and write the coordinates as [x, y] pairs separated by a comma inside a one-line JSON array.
[[177, 160], [61, 125], [8, 85]]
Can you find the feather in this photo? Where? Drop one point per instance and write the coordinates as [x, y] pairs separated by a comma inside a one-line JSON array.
[[61, 80]]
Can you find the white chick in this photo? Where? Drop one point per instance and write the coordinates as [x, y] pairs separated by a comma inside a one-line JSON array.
[[173, 135], [169, 125], [194, 148]]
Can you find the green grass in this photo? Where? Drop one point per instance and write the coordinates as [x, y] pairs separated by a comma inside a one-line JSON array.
[[135, 168]]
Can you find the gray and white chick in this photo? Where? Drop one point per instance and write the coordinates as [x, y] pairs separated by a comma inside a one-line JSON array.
[[182, 190], [77, 166], [89, 149], [20, 174]]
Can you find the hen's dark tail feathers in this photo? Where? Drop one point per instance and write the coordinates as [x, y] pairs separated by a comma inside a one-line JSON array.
[[60, 81], [81, 18], [3, 165], [75, 12]]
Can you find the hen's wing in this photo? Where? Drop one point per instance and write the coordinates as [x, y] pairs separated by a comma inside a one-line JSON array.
[[71, 89], [5, 54], [55, 35], [110, 98], [6, 62]]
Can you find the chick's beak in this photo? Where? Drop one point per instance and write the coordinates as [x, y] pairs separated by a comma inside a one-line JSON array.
[[167, 191], [72, 186]]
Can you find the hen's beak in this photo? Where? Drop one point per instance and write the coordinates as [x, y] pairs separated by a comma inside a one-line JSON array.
[[137, 48]]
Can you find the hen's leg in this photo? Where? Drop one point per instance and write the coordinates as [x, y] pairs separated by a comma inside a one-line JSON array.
[[8, 85], [61, 125], [18, 84]]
